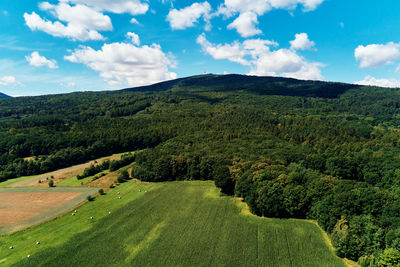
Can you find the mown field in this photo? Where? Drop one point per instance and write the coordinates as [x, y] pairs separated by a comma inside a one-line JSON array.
[[172, 224], [24, 207]]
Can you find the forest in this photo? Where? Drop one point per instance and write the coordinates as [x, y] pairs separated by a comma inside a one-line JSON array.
[[291, 149]]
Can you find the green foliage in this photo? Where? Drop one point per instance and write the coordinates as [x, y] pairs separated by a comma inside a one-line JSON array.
[[123, 177], [223, 180], [92, 170], [126, 159], [389, 258], [51, 183], [292, 148], [101, 191]]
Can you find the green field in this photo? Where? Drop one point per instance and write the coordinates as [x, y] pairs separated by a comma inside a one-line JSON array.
[[173, 224]]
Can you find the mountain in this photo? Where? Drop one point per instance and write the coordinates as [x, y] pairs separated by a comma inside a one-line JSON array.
[[4, 95], [290, 148], [253, 84]]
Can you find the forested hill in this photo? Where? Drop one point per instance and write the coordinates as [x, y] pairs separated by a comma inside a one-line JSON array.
[[4, 95], [304, 149], [254, 84]]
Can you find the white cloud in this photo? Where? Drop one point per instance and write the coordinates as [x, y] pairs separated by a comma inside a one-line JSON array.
[[82, 22], [245, 24], [257, 54], [9, 81], [134, 21], [301, 42], [376, 55], [249, 10], [188, 16], [134, 37], [70, 84], [120, 63], [233, 52], [133, 7], [369, 80], [37, 60]]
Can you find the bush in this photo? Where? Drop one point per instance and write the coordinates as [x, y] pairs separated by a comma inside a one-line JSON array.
[[101, 191], [51, 183], [123, 177], [90, 198], [223, 180]]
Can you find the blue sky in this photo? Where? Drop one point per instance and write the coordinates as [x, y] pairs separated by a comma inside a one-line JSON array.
[[50, 47]]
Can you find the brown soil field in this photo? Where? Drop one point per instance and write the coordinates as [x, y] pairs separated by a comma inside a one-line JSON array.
[[59, 175], [17, 207], [20, 209]]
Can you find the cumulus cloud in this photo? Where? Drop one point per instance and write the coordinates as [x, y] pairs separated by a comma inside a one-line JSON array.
[[249, 10], [134, 37], [9, 81], [233, 52], [133, 7], [375, 55], [262, 60], [80, 22], [369, 80], [188, 16], [120, 63], [245, 24], [301, 42], [37, 60]]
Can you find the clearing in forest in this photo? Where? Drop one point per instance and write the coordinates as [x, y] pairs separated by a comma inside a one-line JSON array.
[[58, 175], [168, 224]]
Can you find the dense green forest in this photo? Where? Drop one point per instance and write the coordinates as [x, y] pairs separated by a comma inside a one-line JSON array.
[[290, 148], [3, 95]]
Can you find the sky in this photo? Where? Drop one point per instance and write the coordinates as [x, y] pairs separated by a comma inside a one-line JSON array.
[[61, 46]]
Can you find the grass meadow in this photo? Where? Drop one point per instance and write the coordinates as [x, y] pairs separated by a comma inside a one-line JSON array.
[[173, 224]]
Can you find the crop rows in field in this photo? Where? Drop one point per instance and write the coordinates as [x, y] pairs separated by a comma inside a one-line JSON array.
[[188, 224]]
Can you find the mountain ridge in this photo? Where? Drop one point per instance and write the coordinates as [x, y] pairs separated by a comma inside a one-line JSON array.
[[2, 95], [264, 85]]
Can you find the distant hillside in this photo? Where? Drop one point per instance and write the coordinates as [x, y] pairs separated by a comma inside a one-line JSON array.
[[253, 84], [4, 95]]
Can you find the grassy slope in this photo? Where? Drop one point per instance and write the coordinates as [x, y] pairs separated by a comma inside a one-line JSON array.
[[14, 181], [58, 231], [176, 224], [73, 181]]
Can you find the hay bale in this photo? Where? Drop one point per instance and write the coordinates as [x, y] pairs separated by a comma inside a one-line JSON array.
[[11, 247], [91, 218], [37, 243]]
